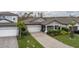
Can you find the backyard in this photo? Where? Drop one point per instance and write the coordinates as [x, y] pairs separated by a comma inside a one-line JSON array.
[[28, 42]]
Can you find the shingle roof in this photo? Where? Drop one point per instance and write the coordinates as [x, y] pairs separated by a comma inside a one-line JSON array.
[[34, 20], [7, 24], [62, 20], [7, 14]]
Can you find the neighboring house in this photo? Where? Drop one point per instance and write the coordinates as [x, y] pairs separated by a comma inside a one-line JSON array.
[[43, 24], [8, 24]]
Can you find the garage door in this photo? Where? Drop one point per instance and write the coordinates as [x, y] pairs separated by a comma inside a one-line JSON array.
[[34, 28], [8, 31]]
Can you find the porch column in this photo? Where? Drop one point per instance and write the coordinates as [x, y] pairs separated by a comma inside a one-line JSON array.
[[46, 29], [60, 27], [53, 27]]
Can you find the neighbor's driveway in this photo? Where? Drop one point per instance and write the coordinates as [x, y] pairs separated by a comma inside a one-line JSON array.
[[48, 42], [8, 42]]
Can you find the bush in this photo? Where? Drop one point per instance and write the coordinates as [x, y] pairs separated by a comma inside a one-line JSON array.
[[57, 32], [25, 32], [65, 29], [64, 32], [49, 31], [54, 32]]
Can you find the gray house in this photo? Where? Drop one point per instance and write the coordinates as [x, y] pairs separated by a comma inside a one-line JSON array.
[[8, 22], [43, 24]]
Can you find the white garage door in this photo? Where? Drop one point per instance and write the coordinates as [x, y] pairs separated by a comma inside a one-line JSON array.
[[34, 28], [8, 31]]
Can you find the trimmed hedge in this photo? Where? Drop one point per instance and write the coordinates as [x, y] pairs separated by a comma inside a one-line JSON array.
[[54, 32], [65, 29], [57, 32]]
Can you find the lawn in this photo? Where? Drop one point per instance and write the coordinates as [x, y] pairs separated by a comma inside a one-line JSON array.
[[69, 41], [28, 42]]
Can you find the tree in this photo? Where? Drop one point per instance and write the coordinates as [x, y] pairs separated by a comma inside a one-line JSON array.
[[40, 14], [26, 15], [71, 26], [21, 27]]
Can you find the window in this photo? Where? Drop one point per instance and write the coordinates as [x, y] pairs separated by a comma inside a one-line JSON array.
[[51, 27], [75, 28], [3, 16], [13, 18], [56, 27]]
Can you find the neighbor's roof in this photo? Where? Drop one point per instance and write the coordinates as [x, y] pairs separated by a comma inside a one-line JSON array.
[[7, 24], [7, 14], [62, 20], [34, 20], [48, 20]]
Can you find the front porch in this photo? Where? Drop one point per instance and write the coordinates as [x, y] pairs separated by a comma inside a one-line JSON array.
[[56, 27], [45, 28]]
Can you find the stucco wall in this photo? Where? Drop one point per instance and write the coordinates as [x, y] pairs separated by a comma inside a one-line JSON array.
[[77, 24], [55, 23]]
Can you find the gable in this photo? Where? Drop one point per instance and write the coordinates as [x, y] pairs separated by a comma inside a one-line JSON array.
[[4, 21], [11, 19], [39, 20], [54, 23]]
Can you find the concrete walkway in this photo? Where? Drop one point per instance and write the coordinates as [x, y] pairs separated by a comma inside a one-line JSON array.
[[8, 42], [48, 42]]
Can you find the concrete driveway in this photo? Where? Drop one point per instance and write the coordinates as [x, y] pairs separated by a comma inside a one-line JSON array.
[[8, 42], [49, 42]]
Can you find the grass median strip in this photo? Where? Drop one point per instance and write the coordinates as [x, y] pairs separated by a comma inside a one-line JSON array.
[[28, 42]]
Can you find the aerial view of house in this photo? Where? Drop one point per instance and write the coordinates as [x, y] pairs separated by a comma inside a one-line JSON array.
[[25, 30]]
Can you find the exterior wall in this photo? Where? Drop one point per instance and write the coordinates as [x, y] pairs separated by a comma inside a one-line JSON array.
[[78, 28], [77, 24], [56, 23], [53, 24], [11, 18]]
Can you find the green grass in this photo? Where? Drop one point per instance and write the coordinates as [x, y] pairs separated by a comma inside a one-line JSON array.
[[69, 41], [28, 42]]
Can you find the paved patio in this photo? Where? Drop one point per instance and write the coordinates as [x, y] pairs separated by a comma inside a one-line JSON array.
[[8, 42], [49, 42]]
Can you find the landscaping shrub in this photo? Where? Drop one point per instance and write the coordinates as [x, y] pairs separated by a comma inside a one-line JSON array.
[[64, 32], [54, 32], [57, 32], [65, 29], [49, 31]]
